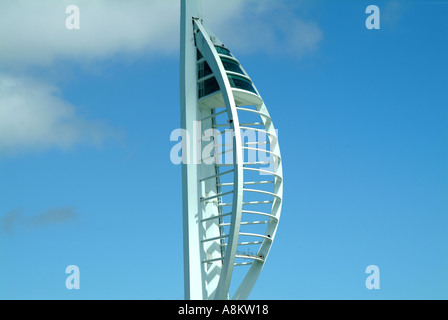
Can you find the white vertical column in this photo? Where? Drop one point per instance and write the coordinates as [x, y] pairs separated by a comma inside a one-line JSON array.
[[189, 115]]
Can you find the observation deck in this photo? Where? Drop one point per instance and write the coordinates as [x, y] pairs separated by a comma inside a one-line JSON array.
[[209, 95]]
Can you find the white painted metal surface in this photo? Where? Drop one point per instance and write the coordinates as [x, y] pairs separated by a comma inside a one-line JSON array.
[[232, 197]]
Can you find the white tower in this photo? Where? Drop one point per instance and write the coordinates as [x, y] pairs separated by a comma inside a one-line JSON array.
[[231, 167]]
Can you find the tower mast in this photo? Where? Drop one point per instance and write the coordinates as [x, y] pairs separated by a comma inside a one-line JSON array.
[[231, 209], [189, 117]]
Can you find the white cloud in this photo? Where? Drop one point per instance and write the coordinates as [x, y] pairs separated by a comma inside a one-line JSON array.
[[34, 117], [34, 32]]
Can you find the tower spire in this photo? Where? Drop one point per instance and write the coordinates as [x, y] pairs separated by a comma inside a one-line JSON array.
[[221, 232]]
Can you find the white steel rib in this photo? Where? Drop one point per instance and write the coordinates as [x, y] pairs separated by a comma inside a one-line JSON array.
[[233, 197]]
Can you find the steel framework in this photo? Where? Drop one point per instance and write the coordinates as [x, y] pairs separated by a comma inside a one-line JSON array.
[[232, 197]]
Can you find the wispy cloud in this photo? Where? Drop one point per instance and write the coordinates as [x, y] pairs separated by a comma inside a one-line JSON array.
[[51, 216], [269, 26], [11, 219], [392, 12], [15, 218], [33, 116]]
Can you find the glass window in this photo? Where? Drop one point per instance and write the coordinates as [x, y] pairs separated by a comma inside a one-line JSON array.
[[199, 55], [223, 50], [231, 65], [211, 85], [241, 83], [207, 87], [203, 70]]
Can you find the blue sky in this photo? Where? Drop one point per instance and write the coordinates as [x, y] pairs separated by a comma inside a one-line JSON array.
[[85, 170]]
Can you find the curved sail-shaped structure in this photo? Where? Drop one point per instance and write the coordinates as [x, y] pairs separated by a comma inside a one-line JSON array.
[[232, 170]]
